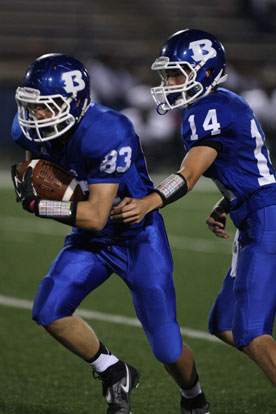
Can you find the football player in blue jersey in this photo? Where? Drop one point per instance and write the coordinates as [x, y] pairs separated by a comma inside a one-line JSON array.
[[224, 141], [56, 121]]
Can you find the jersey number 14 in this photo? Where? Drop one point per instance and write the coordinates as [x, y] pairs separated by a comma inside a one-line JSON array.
[[211, 124]]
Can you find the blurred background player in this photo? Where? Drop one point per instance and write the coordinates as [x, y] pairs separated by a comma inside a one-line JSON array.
[[56, 121], [225, 142]]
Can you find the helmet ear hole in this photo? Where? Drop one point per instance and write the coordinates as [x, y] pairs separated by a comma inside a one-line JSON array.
[[209, 72]]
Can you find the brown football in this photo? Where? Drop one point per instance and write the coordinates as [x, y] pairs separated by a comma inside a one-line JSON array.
[[51, 180]]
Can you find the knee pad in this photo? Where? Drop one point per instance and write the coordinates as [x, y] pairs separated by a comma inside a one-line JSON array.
[[166, 343], [46, 307], [244, 333]]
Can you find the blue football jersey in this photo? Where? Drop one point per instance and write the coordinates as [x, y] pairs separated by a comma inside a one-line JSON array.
[[104, 148], [242, 170]]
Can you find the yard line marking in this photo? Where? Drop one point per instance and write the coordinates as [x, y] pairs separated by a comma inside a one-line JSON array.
[[33, 225], [119, 319]]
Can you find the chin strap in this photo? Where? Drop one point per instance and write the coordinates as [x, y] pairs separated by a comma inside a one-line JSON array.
[[160, 109]]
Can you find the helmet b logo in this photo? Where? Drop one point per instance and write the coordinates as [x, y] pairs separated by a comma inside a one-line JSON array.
[[200, 47], [73, 81]]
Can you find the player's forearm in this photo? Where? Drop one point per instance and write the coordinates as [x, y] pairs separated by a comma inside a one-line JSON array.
[[172, 188], [152, 202], [91, 217], [75, 214]]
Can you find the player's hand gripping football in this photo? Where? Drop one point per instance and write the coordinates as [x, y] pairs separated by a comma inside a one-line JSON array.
[[16, 183], [217, 220], [24, 190]]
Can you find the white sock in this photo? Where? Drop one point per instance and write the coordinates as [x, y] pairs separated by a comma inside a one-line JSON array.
[[103, 362], [103, 359]]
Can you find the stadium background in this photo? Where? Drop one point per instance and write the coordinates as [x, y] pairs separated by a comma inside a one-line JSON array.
[[118, 41]]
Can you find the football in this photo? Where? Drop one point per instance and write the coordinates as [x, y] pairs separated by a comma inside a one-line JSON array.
[[51, 181]]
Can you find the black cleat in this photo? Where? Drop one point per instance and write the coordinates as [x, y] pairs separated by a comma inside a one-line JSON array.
[[117, 391], [197, 405]]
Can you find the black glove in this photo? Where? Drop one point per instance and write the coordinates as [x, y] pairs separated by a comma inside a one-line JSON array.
[[26, 192], [16, 183], [216, 214]]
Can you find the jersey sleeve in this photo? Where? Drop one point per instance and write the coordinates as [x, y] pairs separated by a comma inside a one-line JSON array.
[[207, 123], [114, 152]]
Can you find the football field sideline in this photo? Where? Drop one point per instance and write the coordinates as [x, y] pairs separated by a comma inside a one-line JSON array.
[[105, 317]]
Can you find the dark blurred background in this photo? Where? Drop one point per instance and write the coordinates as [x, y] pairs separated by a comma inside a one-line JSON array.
[[118, 41]]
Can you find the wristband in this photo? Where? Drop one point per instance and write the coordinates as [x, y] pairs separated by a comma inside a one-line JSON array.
[[172, 188], [223, 206], [29, 203], [63, 211]]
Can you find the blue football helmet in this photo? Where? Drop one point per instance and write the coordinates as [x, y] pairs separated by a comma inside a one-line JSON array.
[[59, 84], [192, 52]]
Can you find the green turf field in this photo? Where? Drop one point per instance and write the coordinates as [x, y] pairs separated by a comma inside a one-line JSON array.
[[38, 376]]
